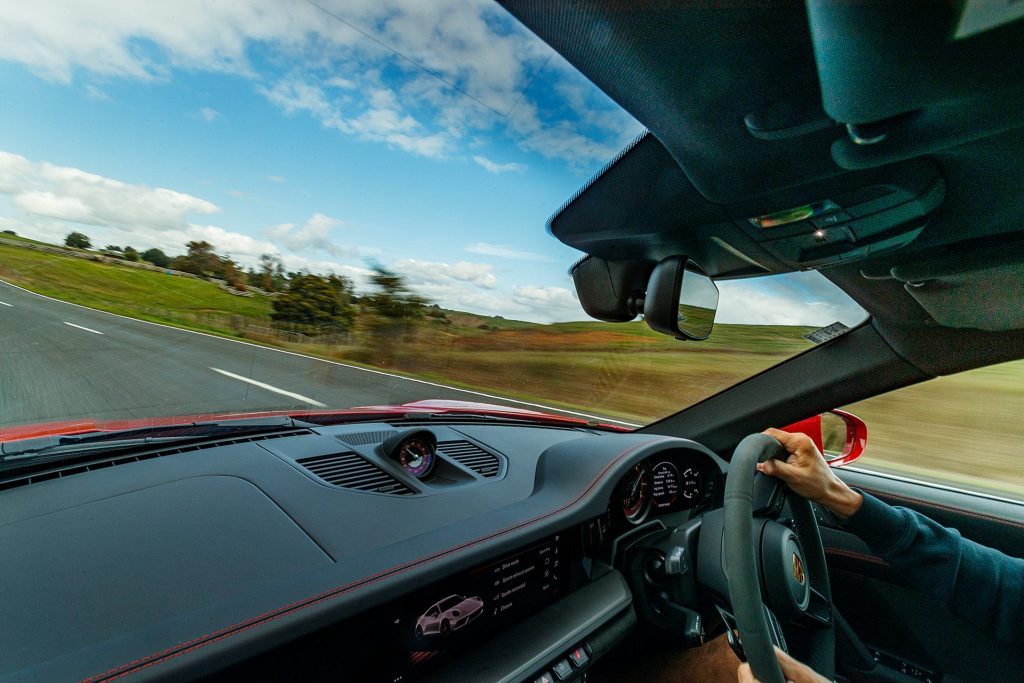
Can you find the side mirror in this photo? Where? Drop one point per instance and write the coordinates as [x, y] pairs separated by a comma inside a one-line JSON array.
[[839, 435], [681, 299]]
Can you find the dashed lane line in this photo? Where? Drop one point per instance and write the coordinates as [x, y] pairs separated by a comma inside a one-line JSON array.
[[268, 387]]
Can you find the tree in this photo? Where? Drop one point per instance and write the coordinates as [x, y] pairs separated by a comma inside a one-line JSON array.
[[252, 278], [228, 270], [130, 254], [112, 247], [156, 257], [200, 260], [78, 240], [393, 298], [271, 275], [315, 300], [10, 232]]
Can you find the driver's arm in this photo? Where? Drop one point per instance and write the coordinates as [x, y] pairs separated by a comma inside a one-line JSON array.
[[971, 580]]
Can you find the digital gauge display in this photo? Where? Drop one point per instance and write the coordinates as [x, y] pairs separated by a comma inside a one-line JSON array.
[[674, 487], [664, 485], [692, 484]]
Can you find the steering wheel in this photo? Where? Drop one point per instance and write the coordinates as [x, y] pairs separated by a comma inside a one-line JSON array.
[[788, 563]]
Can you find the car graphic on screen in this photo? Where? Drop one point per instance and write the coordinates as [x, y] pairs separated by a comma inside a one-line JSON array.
[[448, 615]]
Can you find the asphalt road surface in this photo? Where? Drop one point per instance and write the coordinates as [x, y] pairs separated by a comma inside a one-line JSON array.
[[59, 361]]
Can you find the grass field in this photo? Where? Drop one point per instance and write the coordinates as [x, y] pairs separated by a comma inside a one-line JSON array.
[[965, 429], [130, 291]]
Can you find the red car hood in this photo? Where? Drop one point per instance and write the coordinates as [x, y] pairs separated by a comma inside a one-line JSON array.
[[86, 425]]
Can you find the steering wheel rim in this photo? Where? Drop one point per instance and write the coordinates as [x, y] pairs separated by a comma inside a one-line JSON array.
[[742, 566]]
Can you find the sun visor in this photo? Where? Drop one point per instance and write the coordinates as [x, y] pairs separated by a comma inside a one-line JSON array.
[[878, 58], [912, 78], [977, 284], [990, 299]]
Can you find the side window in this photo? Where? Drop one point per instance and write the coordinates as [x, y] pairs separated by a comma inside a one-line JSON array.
[[964, 430]]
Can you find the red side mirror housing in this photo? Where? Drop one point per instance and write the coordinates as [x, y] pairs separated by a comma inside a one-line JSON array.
[[839, 435]]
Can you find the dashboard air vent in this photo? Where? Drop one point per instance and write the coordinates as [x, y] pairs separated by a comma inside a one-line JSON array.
[[364, 438], [352, 471], [91, 462], [472, 456]]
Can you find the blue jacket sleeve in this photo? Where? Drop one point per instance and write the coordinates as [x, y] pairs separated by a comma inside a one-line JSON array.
[[971, 580]]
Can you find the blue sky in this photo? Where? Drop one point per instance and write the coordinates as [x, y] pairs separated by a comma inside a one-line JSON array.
[[434, 138]]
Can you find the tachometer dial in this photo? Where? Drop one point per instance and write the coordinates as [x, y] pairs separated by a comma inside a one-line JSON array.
[[691, 484], [635, 494], [417, 457]]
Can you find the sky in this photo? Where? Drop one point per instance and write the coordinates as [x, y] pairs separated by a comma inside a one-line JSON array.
[[434, 138]]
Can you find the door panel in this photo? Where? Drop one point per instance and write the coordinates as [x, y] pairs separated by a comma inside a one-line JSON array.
[[996, 523], [896, 618]]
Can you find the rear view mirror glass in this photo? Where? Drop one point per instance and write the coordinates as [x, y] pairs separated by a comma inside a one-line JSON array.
[[681, 299], [698, 301]]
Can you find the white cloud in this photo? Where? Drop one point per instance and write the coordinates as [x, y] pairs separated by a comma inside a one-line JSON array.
[[56, 38], [57, 199], [493, 167], [95, 93], [276, 179], [558, 303], [382, 119], [238, 245], [463, 72], [342, 83], [359, 275], [801, 298], [502, 251], [429, 273], [70, 194], [208, 114], [314, 235]]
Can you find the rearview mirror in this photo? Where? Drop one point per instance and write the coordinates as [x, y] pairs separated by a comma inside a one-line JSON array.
[[839, 435], [681, 299]]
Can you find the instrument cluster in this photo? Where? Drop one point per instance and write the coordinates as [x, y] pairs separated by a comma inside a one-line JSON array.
[[667, 482]]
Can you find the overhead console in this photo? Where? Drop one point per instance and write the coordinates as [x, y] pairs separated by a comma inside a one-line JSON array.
[[876, 213], [642, 208]]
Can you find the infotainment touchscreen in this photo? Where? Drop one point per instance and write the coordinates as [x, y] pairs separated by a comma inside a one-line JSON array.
[[477, 603]]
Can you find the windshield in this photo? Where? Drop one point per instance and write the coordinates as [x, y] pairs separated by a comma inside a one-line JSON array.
[[322, 206]]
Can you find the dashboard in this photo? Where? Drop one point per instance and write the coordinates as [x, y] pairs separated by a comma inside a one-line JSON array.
[[396, 552]]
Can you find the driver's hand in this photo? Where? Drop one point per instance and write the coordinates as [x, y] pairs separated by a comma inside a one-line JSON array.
[[806, 472], [794, 671]]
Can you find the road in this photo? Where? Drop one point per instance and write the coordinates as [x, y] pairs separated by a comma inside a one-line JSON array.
[[59, 361]]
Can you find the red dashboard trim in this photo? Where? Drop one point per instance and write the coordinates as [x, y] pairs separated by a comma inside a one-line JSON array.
[[220, 634]]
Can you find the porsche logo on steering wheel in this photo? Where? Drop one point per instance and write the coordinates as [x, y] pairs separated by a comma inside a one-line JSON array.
[[798, 569]]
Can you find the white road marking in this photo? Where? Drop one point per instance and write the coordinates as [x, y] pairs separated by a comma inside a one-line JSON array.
[[564, 411], [4, 303], [82, 328], [268, 387]]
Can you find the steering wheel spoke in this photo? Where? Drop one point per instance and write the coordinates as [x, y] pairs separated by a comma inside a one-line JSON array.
[[819, 612], [732, 632], [768, 497]]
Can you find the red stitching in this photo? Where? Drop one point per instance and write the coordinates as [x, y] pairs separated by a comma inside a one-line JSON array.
[[242, 626], [948, 508], [856, 556]]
